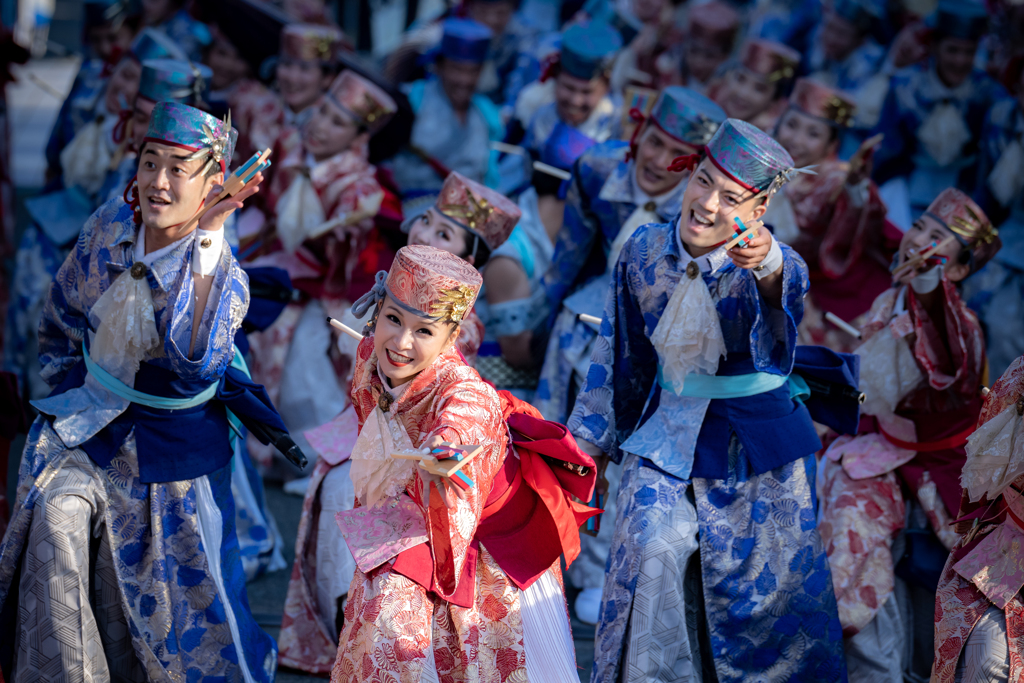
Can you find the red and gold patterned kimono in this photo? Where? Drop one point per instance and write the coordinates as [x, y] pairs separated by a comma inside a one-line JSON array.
[[470, 624], [257, 114], [923, 386], [990, 529], [842, 234]]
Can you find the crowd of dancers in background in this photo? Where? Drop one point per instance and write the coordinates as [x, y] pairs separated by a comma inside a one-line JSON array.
[[620, 255]]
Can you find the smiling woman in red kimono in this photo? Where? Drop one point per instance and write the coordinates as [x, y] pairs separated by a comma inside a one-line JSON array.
[[834, 219], [441, 591]]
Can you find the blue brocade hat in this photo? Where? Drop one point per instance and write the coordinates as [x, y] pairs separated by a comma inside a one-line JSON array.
[[960, 19], [686, 115], [153, 44], [170, 80], [189, 128], [751, 157], [588, 50], [465, 40], [564, 146]]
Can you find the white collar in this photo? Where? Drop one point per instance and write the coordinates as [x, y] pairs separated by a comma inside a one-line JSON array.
[[710, 262]]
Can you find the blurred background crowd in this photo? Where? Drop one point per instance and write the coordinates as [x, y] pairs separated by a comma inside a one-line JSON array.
[[572, 109]]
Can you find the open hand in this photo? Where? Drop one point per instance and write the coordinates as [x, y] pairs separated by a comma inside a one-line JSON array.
[[756, 250], [214, 218]]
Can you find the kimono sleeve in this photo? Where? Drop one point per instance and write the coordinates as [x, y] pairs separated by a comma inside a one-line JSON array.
[[580, 228], [773, 332], [468, 413], [951, 352], [622, 365], [64, 321], [226, 306], [356, 202]]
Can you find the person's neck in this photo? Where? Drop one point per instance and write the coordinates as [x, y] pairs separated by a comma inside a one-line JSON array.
[[158, 238], [324, 157]]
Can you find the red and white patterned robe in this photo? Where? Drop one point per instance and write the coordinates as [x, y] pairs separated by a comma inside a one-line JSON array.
[[258, 115], [959, 604], [862, 500], [844, 246], [347, 187], [392, 623]]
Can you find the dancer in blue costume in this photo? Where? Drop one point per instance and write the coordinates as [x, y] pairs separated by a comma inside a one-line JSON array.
[[933, 115], [454, 123], [996, 292], [714, 446], [616, 187], [124, 496], [58, 217]]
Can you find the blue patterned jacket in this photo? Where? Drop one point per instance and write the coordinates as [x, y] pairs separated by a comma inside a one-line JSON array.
[[913, 95], [599, 200], [622, 407]]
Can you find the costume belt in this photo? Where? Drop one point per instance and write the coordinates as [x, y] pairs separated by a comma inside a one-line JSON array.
[[122, 390], [955, 441], [739, 386]]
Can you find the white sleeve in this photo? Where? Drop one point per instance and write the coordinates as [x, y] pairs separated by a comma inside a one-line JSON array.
[[771, 261], [206, 254]]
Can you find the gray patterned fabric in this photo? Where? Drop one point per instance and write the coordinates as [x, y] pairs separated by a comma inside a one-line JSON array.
[[986, 656]]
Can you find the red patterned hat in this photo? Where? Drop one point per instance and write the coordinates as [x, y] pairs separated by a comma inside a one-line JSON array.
[[433, 283], [362, 100], [958, 212], [818, 100], [774, 61], [311, 42], [488, 214]]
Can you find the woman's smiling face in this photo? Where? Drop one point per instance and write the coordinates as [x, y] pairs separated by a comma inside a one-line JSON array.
[[407, 343], [432, 229]]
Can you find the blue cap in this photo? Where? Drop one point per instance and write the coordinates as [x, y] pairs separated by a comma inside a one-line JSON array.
[[564, 146], [588, 50], [465, 40], [687, 115], [170, 80], [189, 128], [749, 155], [153, 44], [960, 19]]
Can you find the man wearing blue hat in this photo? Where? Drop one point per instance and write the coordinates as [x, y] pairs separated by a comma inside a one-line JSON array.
[[616, 187], [933, 115], [688, 387], [454, 123], [579, 90], [125, 503], [57, 218]]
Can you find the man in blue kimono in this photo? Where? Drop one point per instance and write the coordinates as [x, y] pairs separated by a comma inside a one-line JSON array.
[[616, 188], [121, 560], [996, 292], [58, 217], [688, 384], [933, 115], [579, 88], [455, 124]]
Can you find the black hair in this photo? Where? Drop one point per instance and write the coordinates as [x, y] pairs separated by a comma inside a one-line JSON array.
[[545, 183], [477, 248]]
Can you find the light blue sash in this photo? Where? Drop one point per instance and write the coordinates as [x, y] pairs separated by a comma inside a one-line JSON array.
[[737, 386], [119, 388]]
